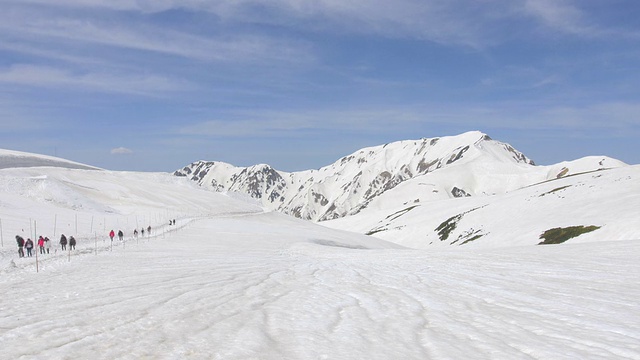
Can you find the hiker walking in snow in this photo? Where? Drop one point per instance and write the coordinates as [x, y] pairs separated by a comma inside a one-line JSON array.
[[72, 243], [120, 235], [142, 232], [112, 235], [29, 246], [47, 244], [149, 231], [63, 242], [20, 241], [135, 233], [41, 244]]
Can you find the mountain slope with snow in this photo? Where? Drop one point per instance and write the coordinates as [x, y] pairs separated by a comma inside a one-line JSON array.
[[88, 203], [463, 190], [230, 281], [350, 184], [608, 199]]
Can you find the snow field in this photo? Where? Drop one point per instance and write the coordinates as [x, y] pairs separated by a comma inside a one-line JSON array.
[[608, 198], [265, 286], [234, 282]]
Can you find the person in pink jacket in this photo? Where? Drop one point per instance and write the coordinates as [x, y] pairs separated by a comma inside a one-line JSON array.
[[41, 244], [112, 234]]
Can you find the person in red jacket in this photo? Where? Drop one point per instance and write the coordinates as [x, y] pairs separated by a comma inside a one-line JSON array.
[[41, 244], [112, 235]]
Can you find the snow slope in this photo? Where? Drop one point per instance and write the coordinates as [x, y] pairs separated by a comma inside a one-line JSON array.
[[263, 286], [609, 199], [231, 281], [51, 201]]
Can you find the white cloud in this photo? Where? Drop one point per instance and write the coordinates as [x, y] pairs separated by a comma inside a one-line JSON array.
[[433, 20], [558, 14], [571, 17], [121, 151], [470, 23], [459, 22], [279, 123], [608, 117], [47, 76], [27, 26]]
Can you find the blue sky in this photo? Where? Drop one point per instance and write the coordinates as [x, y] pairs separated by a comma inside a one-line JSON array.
[[153, 85]]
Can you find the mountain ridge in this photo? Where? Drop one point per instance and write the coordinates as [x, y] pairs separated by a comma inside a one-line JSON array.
[[352, 182]]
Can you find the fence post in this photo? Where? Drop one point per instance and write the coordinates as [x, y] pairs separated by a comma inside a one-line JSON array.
[[35, 227]]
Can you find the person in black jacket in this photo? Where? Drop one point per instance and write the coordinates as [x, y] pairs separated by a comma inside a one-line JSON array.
[[20, 241], [63, 242]]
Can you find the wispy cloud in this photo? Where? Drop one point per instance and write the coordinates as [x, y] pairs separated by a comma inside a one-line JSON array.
[[287, 123], [560, 15], [23, 24], [456, 22], [297, 68], [571, 17], [468, 23], [52, 77], [432, 20], [121, 151], [610, 117]]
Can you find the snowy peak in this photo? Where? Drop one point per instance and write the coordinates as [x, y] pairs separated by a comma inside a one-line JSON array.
[[351, 183], [415, 157], [199, 170], [259, 181]]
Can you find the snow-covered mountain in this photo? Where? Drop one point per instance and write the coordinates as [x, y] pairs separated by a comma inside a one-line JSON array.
[[231, 281], [460, 190], [605, 200], [470, 164], [351, 183]]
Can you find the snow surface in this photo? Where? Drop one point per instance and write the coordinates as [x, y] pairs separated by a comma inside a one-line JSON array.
[[231, 281]]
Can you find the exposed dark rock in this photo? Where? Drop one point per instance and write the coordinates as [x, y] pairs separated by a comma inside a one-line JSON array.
[[457, 156], [457, 192]]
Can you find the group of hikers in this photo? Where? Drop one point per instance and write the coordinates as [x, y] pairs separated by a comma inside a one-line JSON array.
[[112, 233], [44, 245]]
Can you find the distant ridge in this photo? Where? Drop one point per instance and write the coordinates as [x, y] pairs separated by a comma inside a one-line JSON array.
[[466, 190], [19, 159], [351, 183]]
